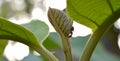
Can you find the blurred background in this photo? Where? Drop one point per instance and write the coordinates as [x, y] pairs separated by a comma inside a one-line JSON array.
[[23, 11]]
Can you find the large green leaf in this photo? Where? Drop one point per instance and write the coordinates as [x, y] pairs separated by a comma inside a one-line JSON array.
[[39, 28], [93, 13], [3, 44], [97, 14]]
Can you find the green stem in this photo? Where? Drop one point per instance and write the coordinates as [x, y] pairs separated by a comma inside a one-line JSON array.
[[97, 35], [90, 46], [45, 53], [66, 48]]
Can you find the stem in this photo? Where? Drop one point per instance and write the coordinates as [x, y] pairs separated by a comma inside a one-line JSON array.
[[66, 48], [97, 35], [90, 46], [45, 53]]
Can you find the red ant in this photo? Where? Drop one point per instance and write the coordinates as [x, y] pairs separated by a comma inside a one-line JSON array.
[[71, 31]]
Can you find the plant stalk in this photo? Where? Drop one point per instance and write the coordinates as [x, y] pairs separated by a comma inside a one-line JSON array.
[[66, 48], [45, 53], [90, 46]]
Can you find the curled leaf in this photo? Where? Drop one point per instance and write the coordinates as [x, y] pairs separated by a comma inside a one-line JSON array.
[[63, 25], [61, 22]]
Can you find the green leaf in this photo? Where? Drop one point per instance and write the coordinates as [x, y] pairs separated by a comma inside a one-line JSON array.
[[52, 41], [39, 28], [18, 33], [63, 25], [60, 21], [93, 13], [3, 44], [15, 32], [85, 13], [78, 43], [97, 14]]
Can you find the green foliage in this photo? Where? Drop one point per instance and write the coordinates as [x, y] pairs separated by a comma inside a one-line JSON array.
[[97, 14], [52, 41], [15, 32], [63, 25], [93, 13], [60, 21], [39, 28], [18, 33]]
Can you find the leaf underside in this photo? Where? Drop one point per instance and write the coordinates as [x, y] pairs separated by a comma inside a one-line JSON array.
[[92, 13], [39, 28], [99, 15]]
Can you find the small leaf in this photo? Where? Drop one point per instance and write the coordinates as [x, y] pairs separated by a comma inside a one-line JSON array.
[[61, 22], [39, 28], [63, 25], [3, 44]]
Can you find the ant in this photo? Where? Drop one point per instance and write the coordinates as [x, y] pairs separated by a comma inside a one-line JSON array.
[[71, 32]]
